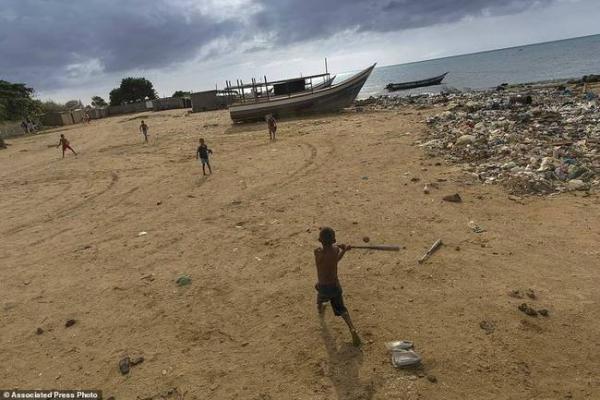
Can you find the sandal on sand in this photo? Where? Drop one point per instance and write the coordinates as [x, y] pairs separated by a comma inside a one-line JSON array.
[[399, 345], [405, 358]]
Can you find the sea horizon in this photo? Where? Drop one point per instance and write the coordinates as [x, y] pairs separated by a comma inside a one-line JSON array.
[[535, 62]]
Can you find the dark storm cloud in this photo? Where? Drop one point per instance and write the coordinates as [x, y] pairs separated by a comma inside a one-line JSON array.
[[291, 21], [46, 41], [55, 43]]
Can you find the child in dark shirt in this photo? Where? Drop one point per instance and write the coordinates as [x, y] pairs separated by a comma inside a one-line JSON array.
[[202, 155]]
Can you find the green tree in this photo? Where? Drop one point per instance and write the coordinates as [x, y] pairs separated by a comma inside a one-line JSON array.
[[16, 101], [132, 90], [115, 97], [98, 102], [52, 106], [181, 93]]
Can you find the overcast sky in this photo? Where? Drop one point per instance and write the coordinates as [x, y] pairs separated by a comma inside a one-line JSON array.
[[77, 49]]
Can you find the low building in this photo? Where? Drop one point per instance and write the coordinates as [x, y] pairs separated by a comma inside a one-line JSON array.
[[211, 100], [140, 106], [96, 113], [57, 119], [170, 103]]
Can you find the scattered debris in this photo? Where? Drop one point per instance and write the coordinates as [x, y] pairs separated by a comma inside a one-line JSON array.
[[403, 354], [399, 345], [438, 243], [366, 239], [124, 365], [183, 280], [39, 331], [543, 312], [519, 294], [70, 323], [475, 228], [453, 198], [531, 139], [516, 293], [143, 233], [405, 358], [136, 361], [528, 310], [487, 326]]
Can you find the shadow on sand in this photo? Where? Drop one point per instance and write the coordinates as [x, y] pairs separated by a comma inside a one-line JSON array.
[[344, 369]]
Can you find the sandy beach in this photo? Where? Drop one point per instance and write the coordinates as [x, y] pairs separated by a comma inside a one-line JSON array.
[[246, 327]]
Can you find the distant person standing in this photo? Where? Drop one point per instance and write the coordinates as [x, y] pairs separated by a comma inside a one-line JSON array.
[[65, 145], [30, 126], [202, 155], [272, 124], [144, 130]]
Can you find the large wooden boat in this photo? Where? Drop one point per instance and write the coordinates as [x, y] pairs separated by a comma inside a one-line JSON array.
[[314, 100], [416, 84]]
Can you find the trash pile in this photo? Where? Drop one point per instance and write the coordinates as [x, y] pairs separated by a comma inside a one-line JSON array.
[[386, 102], [533, 140]]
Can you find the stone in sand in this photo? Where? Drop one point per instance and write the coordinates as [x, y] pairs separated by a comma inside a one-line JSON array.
[[528, 310], [69, 323], [453, 198], [487, 326]]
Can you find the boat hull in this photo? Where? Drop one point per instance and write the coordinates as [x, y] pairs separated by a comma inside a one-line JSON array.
[[324, 100], [416, 84]]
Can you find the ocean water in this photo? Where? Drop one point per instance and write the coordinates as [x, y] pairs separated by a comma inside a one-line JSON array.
[[538, 62]]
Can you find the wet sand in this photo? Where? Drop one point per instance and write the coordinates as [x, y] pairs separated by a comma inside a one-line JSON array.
[[246, 327]]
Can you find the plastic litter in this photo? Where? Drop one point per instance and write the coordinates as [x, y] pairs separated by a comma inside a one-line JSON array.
[[405, 358], [403, 355]]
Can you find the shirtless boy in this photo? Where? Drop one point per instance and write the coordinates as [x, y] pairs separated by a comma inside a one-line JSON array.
[[144, 130], [65, 145], [328, 286], [272, 125]]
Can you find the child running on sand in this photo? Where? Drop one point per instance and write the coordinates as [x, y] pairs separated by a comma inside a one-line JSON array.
[[328, 285], [202, 155], [144, 130], [272, 124], [65, 145]]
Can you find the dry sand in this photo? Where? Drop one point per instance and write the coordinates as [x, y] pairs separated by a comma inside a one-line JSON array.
[[246, 327]]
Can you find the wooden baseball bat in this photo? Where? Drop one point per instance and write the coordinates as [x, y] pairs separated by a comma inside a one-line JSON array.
[[377, 247]]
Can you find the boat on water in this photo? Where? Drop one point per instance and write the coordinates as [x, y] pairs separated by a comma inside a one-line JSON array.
[[319, 99], [436, 80]]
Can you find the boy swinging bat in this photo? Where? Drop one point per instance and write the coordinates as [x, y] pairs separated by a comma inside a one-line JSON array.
[[328, 285]]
